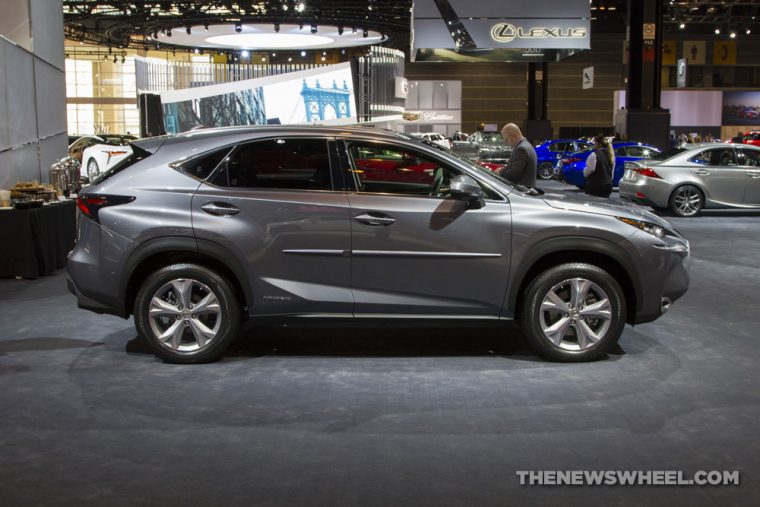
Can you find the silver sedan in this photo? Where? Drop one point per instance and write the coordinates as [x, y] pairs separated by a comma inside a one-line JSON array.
[[702, 176]]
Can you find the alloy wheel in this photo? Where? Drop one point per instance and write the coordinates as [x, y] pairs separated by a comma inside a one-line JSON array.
[[92, 169], [185, 315], [575, 314], [546, 170], [687, 201]]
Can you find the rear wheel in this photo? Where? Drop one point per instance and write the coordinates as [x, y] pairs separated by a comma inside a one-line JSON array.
[[187, 313], [686, 201], [573, 312], [546, 170]]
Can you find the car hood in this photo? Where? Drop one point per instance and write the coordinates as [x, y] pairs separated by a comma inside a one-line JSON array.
[[588, 204]]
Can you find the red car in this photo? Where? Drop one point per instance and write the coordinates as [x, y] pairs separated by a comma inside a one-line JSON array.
[[752, 138]]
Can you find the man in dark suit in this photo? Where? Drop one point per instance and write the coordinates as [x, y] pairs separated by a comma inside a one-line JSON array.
[[521, 168]]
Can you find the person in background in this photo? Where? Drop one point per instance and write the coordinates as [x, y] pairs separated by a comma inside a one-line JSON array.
[[739, 137], [599, 167], [521, 168]]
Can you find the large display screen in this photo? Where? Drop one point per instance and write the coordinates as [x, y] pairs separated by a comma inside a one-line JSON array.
[[323, 96], [741, 108]]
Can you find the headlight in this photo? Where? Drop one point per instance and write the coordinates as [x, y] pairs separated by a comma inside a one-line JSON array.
[[655, 230]]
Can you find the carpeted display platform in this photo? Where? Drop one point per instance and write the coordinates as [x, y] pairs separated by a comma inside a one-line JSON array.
[[423, 416]]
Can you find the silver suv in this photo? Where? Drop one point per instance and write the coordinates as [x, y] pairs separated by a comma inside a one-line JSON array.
[[193, 234]]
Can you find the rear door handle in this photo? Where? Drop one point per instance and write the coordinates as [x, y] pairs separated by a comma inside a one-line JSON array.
[[374, 218], [220, 209], [702, 172]]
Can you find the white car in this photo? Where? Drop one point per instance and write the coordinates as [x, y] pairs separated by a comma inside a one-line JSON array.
[[105, 154], [439, 139]]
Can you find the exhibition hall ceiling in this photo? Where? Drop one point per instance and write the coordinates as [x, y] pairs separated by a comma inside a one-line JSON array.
[[139, 24]]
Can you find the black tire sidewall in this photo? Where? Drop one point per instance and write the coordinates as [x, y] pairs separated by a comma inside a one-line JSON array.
[[227, 301], [535, 293]]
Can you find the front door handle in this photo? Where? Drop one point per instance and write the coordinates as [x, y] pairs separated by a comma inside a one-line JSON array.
[[702, 172], [374, 218], [220, 209]]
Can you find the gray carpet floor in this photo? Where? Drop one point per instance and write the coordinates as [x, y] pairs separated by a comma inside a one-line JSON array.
[[385, 415]]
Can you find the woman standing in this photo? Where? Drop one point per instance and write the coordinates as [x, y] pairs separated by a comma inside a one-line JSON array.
[[599, 167]]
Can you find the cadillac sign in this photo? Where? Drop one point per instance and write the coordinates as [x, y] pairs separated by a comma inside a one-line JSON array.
[[506, 32]]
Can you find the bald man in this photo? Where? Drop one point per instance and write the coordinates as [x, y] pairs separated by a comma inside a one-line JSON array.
[[521, 168]]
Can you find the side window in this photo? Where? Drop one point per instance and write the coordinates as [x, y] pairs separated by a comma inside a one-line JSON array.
[[749, 158], [394, 170], [723, 157], [289, 164], [557, 147], [620, 152], [203, 165], [636, 151]]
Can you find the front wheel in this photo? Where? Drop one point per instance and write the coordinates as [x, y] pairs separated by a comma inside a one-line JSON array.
[[93, 169], [686, 201], [187, 313], [546, 170], [573, 312]]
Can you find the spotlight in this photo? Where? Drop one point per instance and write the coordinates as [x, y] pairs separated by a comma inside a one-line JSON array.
[[196, 51], [238, 28], [303, 53], [733, 35], [682, 26], [285, 7], [300, 6], [290, 59], [263, 58], [188, 30], [277, 28], [274, 55], [313, 28], [717, 31], [365, 33], [340, 30], [323, 58], [749, 31]]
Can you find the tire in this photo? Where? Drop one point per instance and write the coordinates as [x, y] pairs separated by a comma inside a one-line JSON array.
[[551, 324], [93, 170], [545, 170], [180, 331], [686, 201]]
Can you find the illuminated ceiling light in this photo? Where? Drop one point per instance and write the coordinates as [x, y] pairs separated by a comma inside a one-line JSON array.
[[238, 28], [196, 51], [682, 26], [285, 7], [290, 59], [313, 28], [270, 40], [300, 6], [323, 58], [303, 53], [717, 31], [732, 35], [749, 31], [244, 53], [263, 58], [274, 55]]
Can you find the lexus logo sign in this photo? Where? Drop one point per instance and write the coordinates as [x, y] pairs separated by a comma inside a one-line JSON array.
[[507, 32]]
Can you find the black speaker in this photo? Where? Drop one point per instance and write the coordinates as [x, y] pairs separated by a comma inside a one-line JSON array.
[[151, 115]]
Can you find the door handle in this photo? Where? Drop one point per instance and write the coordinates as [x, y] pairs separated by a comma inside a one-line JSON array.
[[220, 209], [374, 218], [702, 172]]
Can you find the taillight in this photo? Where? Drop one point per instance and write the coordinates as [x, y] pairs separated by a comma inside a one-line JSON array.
[[89, 205], [646, 171]]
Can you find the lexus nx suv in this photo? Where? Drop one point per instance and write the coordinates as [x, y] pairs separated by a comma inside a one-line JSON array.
[[193, 234]]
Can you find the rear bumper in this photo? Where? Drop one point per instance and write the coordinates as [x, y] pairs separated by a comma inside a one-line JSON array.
[[92, 305]]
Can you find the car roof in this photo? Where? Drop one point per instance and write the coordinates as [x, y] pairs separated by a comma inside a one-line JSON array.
[[219, 132]]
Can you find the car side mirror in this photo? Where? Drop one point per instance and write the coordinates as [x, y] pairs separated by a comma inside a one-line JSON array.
[[464, 188]]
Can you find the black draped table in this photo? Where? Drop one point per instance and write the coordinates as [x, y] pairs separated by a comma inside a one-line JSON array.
[[35, 242]]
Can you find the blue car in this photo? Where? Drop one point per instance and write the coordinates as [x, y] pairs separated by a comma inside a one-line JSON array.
[[570, 169], [549, 153]]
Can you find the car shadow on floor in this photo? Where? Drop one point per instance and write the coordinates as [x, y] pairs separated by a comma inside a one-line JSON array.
[[378, 340]]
